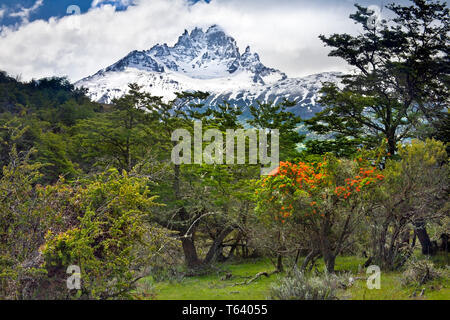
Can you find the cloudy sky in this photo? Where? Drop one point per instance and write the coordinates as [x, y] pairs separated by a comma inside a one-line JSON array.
[[40, 38]]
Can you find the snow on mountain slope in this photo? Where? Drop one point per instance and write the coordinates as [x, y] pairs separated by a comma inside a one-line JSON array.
[[208, 61]]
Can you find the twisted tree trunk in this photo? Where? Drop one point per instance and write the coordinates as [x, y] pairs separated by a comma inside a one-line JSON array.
[[215, 248]]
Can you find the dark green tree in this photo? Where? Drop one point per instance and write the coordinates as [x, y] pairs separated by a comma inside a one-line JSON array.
[[277, 116], [401, 76], [119, 137]]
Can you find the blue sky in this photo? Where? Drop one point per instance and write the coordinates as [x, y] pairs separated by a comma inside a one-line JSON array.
[[39, 39], [49, 8], [52, 8]]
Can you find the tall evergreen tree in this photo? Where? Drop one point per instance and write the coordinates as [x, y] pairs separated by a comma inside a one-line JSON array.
[[120, 136], [401, 75]]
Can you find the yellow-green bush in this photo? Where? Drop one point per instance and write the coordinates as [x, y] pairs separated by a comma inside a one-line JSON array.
[[110, 242]]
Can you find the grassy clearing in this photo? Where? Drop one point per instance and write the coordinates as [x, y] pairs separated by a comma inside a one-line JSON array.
[[213, 286]]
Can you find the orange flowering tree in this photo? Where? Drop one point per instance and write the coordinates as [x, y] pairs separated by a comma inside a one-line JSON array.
[[324, 197]]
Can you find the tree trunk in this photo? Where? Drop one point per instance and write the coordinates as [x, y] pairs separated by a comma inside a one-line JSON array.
[[422, 235], [296, 259], [280, 263], [176, 182], [392, 145], [380, 254], [309, 258], [245, 248], [329, 262], [190, 252], [414, 239], [234, 246], [213, 251], [325, 246]]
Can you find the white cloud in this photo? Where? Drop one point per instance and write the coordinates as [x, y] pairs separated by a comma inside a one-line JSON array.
[[123, 3], [284, 33], [24, 13], [2, 13]]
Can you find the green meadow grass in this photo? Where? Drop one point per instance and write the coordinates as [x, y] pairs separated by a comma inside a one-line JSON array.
[[213, 286], [392, 289]]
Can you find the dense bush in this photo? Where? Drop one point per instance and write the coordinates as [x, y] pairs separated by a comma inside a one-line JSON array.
[[413, 194], [300, 286], [24, 220], [111, 242], [100, 225], [419, 272]]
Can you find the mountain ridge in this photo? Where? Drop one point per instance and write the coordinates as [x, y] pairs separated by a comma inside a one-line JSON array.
[[208, 61]]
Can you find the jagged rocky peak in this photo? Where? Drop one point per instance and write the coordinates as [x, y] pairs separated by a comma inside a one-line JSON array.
[[209, 60], [197, 33], [160, 50], [204, 54], [249, 58], [136, 59], [198, 54], [221, 43]]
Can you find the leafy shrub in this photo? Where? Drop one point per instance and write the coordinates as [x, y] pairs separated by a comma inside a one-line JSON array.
[[112, 242], [413, 192], [101, 225], [419, 272], [23, 223], [299, 286]]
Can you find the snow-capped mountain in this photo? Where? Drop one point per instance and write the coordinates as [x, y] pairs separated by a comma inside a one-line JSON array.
[[208, 61]]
